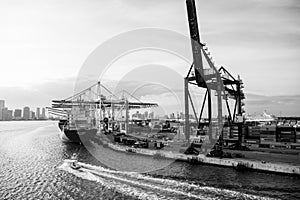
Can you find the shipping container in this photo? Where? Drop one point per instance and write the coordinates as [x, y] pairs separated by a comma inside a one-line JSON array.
[[267, 136], [286, 140], [267, 140], [271, 128], [264, 145], [286, 136], [253, 145], [295, 146], [151, 145], [280, 146], [268, 132], [285, 132], [252, 141]]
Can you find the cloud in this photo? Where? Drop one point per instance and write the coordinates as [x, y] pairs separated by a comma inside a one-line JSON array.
[[44, 42], [39, 95], [278, 105]]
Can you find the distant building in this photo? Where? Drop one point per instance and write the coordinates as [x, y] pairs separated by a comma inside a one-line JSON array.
[[32, 115], [172, 116], [9, 115], [43, 113], [4, 113], [2, 104], [151, 115], [138, 115], [181, 115], [38, 113], [18, 114], [146, 116], [26, 113]]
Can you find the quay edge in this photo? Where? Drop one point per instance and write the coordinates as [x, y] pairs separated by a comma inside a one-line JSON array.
[[236, 163]]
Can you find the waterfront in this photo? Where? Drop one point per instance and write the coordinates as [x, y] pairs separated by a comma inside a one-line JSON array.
[[32, 157]]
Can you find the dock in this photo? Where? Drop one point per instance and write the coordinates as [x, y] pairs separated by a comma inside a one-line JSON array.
[[236, 163]]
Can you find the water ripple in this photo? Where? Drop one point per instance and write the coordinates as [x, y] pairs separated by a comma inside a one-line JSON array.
[[31, 157]]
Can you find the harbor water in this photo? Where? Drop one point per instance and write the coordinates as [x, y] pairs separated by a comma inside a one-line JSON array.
[[32, 167]]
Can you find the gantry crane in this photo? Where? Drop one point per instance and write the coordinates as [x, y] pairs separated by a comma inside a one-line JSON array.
[[92, 103], [211, 79]]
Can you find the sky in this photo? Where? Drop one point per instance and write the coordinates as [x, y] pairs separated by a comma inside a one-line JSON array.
[[43, 45]]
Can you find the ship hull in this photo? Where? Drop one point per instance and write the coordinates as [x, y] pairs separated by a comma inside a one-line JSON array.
[[76, 136]]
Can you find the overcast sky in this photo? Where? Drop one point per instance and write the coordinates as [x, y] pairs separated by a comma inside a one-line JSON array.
[[43, 44]]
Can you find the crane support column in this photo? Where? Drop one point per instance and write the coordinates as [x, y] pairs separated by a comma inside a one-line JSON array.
[[186, 108]]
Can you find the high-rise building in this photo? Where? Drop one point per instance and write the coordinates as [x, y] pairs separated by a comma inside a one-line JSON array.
[[26, 113], [138, 114], [43, 113], [182, 115], [9, 115], [151, 115], [172, 116], [4, 113], [18, 114], [191, 116], [38, 113], [146, 114], [2, 105], [32, 115]]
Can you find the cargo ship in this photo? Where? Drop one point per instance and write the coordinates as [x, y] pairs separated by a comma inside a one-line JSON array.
[[88, 112], [78, 121]]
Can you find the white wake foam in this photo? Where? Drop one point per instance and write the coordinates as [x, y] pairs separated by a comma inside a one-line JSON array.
[[147, 187]]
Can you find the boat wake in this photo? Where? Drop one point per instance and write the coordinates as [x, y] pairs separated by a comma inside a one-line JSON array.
[[146, 187]]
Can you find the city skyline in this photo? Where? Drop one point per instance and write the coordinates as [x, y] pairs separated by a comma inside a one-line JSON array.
[[25, 113]]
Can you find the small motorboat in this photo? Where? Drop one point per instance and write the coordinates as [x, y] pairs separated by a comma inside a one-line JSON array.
[[74, 162], [75, 165], [74, 156]]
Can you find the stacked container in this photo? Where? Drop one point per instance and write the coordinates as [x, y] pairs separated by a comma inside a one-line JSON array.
[[226, 132], [267, 134], [298, 134], [253, 135], [234, 132], [253, 132], [286, 134]]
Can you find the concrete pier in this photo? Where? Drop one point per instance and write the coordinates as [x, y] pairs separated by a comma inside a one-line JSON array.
[[237, 163]]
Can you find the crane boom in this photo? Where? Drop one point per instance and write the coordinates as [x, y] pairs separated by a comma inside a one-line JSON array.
[[196, 49], [195, 41]]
